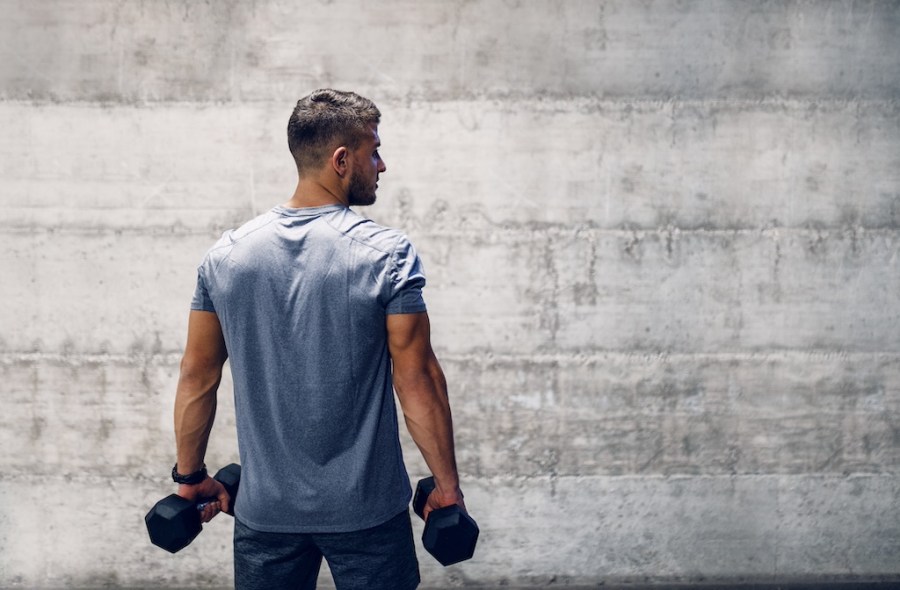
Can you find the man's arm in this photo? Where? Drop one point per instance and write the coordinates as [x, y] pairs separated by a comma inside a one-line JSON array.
[[195, 404], [422, 391]]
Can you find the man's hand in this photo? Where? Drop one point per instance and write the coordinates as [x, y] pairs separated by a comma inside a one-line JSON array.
[[438, 499], [207, 490]]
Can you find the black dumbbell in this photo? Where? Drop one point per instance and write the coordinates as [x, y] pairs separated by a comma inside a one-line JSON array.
[[174, 521], [450, 534]]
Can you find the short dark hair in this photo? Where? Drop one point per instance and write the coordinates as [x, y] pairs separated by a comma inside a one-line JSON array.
[[325, 120]]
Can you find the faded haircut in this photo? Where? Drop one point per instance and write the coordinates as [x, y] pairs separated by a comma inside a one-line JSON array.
[[325, 120]]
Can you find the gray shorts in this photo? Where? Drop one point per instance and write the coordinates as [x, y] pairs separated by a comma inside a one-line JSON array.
[[380, 557]]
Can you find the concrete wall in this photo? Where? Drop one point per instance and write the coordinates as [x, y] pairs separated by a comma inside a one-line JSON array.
[[662, 238]]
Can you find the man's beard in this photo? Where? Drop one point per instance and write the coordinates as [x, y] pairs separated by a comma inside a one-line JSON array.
[[359, 192]]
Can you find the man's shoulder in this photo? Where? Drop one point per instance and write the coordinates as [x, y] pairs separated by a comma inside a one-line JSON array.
[[368, 232], [231, 237], [252, 226]]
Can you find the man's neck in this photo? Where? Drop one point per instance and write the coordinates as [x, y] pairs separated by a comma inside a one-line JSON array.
[[312, 193]]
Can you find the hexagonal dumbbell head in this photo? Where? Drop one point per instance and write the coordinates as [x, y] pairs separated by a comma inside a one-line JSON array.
[[173, 523], [230, 477], [450, 535], [423, 490]]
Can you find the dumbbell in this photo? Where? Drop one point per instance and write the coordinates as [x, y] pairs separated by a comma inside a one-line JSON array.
[[175, 521], [450, 534]]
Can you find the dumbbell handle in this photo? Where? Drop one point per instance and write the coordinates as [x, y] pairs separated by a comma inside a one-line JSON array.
[[206, 502], [203, 504]]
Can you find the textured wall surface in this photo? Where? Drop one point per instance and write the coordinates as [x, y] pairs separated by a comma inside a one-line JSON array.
[[663, 249]]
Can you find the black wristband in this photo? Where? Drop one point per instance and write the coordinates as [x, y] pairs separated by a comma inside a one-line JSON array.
[[191, 478]]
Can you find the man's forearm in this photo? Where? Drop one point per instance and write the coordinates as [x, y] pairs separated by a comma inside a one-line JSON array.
[[426, 409], [195, 412]]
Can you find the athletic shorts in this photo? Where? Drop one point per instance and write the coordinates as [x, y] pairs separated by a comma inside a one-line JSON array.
[[382, 557]]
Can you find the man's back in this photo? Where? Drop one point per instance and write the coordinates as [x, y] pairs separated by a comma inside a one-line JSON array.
[[302, 296], [321, 313]]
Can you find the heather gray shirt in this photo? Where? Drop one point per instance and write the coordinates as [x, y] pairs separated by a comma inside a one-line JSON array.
[[302, 296]]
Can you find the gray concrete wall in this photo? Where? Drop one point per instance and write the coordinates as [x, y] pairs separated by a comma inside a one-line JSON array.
[[662, 238]]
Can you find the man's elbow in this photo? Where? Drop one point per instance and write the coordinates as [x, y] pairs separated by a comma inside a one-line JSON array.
[[420, 390], [200, 369]]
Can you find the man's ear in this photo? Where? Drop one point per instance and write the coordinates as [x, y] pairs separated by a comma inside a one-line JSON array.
[[340, 161]]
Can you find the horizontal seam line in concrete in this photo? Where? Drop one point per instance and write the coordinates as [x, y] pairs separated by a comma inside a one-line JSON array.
[[538, 99], [169, 357], [497, 231]]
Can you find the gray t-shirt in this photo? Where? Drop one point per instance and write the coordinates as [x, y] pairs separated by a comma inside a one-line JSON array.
[[302, 296]]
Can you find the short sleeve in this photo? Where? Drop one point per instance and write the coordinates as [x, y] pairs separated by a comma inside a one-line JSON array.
[[201, 300], [407, 278]]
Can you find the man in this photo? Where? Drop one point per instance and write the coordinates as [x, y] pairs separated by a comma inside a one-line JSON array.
[[321, 314]]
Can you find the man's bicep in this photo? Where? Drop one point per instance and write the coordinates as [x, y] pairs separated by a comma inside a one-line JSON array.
[[205, 341]]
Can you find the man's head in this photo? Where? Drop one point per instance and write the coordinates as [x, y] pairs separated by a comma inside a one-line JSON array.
[[326, 120]]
